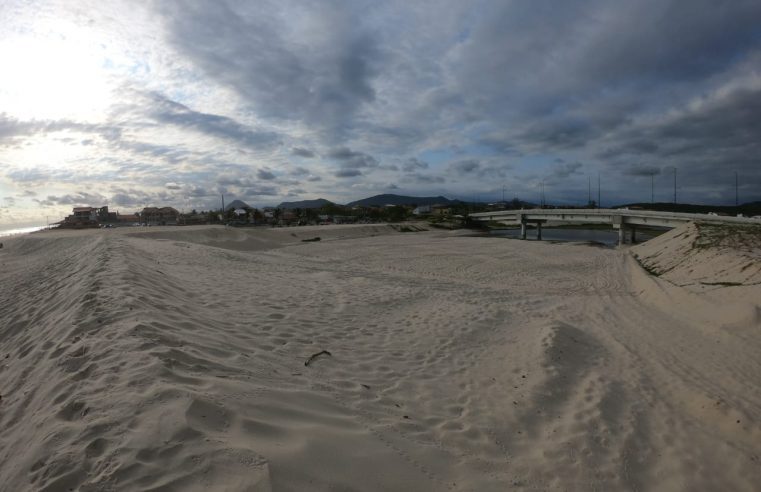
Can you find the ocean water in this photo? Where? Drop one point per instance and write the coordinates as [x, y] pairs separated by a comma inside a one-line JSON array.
[[14, 230]]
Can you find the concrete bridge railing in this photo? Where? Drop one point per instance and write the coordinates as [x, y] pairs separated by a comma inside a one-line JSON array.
[[622, 219]]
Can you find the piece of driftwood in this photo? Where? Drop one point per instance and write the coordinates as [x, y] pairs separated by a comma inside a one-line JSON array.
[[314, 356], [310, 240]]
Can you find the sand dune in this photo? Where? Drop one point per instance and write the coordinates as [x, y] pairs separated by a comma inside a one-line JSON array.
[[703, 256], [173, 359]]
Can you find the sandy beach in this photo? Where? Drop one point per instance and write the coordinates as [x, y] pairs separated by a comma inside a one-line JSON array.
[[174, 359]]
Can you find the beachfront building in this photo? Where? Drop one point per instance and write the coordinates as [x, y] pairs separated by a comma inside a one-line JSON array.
[[81, 217], [441, 209], [159, 216], [104, 216], [422, 210], [84, 214], [128, 219]]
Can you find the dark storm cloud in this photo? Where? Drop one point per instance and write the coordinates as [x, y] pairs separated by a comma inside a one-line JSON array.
[[265, 175], [412, 164], [564, 76], [542, 55], [322, 79], [352, 159], [566, 169], [466, 166], [642, 170], [476, 169], [348, 173], [709, 141], [653, 40], [229, 180], [80, 198], [168, 153], [261, 191], [196, 192], [301, 152], [166, 111], [130, 200], [426, 178], [302, 171], [352, 163], [727, 123]]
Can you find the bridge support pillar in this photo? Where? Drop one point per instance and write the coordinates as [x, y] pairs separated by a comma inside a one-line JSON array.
[[523, 230], [634, 236], [538, 231], [622, 234]]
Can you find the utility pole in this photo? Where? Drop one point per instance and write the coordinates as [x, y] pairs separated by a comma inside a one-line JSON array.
[[675, 186], [542, 195], [652, 188], [599, 204], [737, 191], [503, 195], [589, 191]]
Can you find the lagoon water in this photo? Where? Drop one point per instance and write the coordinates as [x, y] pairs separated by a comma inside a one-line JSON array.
[[607, 237]]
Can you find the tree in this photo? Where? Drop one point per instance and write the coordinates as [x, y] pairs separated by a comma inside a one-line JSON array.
[[258, 216], [332, 209], [397, 213]]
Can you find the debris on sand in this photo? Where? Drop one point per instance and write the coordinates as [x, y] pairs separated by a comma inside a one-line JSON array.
[[314, 356]]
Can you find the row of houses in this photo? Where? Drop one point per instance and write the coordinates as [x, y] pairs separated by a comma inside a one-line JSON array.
[[432, 210], [84, 217]]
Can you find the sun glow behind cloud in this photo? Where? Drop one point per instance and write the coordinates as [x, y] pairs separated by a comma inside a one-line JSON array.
[[59, 72]]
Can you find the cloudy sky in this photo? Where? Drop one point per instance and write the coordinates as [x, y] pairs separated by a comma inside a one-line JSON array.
[[174, 102]]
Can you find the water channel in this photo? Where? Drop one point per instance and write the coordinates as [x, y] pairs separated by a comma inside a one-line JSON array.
[[602, 237]]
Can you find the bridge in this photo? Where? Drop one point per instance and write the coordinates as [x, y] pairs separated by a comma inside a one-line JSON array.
[[622, 219]]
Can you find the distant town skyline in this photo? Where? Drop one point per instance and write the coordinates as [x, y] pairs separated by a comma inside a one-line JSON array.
[[173, 103]]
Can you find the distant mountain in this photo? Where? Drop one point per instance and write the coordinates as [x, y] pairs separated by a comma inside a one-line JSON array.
[[390, 199], [320, 202], [235, 204]]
